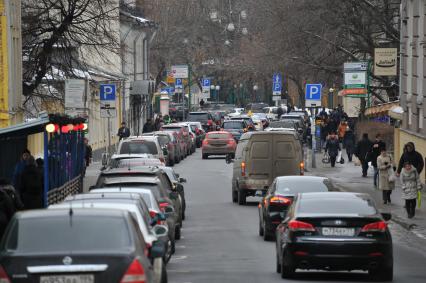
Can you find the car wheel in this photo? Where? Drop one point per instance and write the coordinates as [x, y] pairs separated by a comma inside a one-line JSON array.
[[173, 250], [233, 156], [261, 231], [241, 197], [384, 274], [205, 156], [234, 196], [287, 266], [266, 235], [177, 233], [183, 214], [171, 162], [278, 264]]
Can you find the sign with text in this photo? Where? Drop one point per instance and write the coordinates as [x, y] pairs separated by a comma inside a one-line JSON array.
[[74, 93], [313, 95], [385, 61], [180, 71]]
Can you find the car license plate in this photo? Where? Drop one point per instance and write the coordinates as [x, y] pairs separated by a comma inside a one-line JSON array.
[[87, 278], [337, 231]]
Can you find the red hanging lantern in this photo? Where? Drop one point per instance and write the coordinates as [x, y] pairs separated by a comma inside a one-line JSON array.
[[64, 129]]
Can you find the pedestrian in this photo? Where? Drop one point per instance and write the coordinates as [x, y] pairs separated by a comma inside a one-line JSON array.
[[19, 168], [7, 210], [342, 130], [349, 143], [333, 148], [385, 175], [202, 103], [8, 188], [363, 148], [167, 119], [148, 127], [323, 114], [376, 149], [88, 152], [332, 125], [280, 112], [411, 155], [324, 133], [31, 189], [157, 123], [411, 185], [123, 131]]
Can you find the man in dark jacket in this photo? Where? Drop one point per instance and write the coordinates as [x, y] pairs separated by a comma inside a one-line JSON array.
[[148, 127], [280, 112], [123, 131], [411, 155], [376, 149], [349, 143], [7, 210], [362, 151], [333, 148], [31, 186]]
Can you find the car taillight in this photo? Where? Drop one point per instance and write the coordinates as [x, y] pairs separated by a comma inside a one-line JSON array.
[[3, 276], [302, 168], [163, 206], [243, 169], [375, 227], [205, 142], [134, 274], [231, 142], [297, 226], [280, 200], [152, 213]]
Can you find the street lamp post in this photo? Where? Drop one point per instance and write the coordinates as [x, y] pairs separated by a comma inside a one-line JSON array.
[[241, 94], [255, 89], [330, 98]]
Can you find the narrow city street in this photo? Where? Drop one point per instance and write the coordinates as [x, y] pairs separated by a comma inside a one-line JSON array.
[[220, 241]]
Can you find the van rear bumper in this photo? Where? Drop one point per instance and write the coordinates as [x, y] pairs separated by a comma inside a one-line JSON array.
[[254, 184]]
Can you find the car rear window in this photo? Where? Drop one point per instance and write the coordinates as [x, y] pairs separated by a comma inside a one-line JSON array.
[[156, 191], [133, 162], [69, 234], [233, 125], [295, 186], [196, 117], [337, 206], [138, 147], [282, 124], [223, 136], [163, 140], [172, 129]]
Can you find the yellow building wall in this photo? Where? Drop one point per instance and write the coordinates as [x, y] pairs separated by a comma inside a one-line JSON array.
[[4, 71], [35, 145], [420, 144]]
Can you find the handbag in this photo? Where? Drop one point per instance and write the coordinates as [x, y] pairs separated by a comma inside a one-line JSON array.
[[391, 174]]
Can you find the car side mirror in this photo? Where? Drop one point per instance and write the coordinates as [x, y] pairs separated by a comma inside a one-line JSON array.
[[182, 180], [386, 216], [158, 249], [105, 158], [160, 230], [229, 159], [174, 195]]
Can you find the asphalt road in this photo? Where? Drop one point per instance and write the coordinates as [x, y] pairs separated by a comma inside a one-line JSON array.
[[220, 241]]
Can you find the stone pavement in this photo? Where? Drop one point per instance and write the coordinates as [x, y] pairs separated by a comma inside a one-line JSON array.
[[347, 177]]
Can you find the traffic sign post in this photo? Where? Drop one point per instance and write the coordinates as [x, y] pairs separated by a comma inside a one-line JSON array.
[[107, 95], [313, 95], [206, 83], [277, 87]]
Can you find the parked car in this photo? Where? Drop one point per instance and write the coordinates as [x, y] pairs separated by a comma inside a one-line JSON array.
[[52, 246], [167, 145], [261, 157], [271, 112], [192, 139], [197, 128], [181, 137], [156, 214], [274, 206], [235, 127], [335, 231], [142, 145], [218, 143], [178, 183]]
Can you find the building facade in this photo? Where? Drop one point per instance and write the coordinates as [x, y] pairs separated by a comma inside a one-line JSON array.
[[413, 76]]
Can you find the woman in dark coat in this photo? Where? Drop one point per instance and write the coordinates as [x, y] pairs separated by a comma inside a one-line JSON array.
[[32, 186], [349, 143]]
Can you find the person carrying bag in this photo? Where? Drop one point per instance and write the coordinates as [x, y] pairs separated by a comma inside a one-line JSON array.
[[411, 186], [386, 178]]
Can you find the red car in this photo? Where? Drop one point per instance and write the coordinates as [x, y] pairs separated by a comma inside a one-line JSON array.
[[218, 143], [182, 137]]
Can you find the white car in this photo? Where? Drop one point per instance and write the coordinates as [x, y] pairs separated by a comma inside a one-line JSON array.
[[141, 145]]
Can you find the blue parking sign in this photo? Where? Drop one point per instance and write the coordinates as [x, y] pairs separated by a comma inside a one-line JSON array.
[[178, 83], [107, 92], [313, 92], [277, 83], [206, 83]]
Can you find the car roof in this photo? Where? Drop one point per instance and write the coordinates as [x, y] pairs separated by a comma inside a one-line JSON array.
[[175, 125], [45, 213], [218, 132], [105, 196], [301, 178], [129, 180], [199, 112], [147, 138], [131, 156], [133, 170]]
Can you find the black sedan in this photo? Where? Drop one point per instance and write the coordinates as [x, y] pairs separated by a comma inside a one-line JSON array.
[[335, 231], [74, 245], [274, 206]]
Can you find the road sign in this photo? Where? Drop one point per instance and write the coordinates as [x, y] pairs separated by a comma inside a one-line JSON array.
[[180, 71], [74, 93], [313, 95], [178, 84], [107, 92], [276, 84], [108, 113], [355, 66], [276, 98], [206, 83]]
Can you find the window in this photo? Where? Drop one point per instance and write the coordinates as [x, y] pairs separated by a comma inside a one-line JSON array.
[[410, 116], [420, 118], [139, 147], [285, 150], [260, 150]]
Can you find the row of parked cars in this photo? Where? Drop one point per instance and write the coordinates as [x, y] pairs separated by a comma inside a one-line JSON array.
[[124, 229], [315, 226]]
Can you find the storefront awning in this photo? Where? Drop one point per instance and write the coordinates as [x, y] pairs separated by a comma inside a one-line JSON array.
[[381, 109]]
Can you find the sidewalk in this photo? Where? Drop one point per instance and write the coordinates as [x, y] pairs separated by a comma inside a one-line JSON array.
[[347, 177]]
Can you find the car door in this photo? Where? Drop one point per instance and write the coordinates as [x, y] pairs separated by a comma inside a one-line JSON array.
[[239, 157], [286, 155], [260, 157]]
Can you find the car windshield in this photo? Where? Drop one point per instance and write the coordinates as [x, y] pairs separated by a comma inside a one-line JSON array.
[[233, 125], [303, 185], [196, 117], [59, 234], [358, 206], [215, 136], [138, 147], [163, 140], [157, 192]]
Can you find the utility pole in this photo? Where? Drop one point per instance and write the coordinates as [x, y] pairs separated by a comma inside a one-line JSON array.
[[189, 84]]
